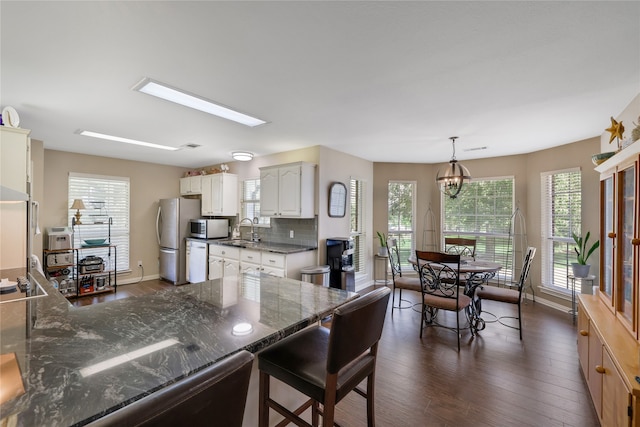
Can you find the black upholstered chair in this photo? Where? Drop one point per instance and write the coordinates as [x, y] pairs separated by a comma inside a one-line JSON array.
[[460, 246], [510, 295], [214, 396], [400, 282], [441, 289], [327, 364]]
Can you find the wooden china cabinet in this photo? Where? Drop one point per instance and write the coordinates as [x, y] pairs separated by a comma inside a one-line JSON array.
[[609, 322]]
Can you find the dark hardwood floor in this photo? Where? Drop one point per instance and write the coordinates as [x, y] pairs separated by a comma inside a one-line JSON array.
[[495, 380]]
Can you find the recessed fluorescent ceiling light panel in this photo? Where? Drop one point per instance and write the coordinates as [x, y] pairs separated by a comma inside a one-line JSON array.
[[125, 140], [161, 90]]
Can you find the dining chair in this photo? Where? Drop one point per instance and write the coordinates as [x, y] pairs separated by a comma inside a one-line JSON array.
[[460, 245], [326, 364], [400, 282], [510, 295], [216, 395], [441, 289]]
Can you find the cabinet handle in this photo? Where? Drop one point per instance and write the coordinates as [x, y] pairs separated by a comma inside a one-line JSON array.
[[611, 235], [584, 333], [635, 242], [600, 369], [272, 261]]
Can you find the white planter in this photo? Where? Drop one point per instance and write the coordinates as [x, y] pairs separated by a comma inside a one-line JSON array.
[[383, 251], [580, 270]]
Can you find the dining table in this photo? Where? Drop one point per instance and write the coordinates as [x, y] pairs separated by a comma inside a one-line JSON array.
[[476, 273]]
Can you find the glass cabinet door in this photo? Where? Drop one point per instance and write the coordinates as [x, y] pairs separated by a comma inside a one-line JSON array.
[[607, 233], [626, 233]]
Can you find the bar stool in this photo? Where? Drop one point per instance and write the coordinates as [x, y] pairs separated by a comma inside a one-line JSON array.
[[324, 364]]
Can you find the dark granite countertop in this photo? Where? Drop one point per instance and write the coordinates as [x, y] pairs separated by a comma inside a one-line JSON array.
[[58, 345], [281, 248]]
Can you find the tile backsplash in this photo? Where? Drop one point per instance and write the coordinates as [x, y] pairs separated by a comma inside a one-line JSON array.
[[305, 231]]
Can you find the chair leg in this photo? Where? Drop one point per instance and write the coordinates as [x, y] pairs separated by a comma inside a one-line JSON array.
[[263, 408], [520, 321], [423, 318], [458, 328]]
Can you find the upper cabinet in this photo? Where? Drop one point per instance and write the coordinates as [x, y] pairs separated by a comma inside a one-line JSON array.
[[620, 236], [191, 185], [288, 191], [15, 155], [220, 194]]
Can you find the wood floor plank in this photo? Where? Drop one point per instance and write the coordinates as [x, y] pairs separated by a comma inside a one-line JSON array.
[[495, 381]]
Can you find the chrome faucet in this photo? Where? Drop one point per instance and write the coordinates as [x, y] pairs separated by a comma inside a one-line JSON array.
[[254, 235]]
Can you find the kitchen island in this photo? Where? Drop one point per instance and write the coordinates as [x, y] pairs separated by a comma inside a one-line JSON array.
[[80, 363]]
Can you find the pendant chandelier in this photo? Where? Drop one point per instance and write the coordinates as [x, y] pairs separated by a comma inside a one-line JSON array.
[[455, 175]]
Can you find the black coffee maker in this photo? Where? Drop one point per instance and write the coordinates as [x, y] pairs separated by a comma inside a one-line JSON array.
[[340, 261]]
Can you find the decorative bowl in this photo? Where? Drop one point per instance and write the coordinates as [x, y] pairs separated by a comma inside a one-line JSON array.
[[601, 157], [93, 242]]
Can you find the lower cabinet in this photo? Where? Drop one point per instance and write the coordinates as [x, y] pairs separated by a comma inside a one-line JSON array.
[[224, 261], [228, 260], [609, 362]]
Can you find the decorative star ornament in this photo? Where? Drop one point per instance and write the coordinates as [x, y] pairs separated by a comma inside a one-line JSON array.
[[616, 129]]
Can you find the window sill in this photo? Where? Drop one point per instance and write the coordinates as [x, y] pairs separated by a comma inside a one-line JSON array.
[[557, 292]]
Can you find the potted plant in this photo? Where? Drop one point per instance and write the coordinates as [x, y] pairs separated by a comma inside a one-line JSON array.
[[581, 268], [383, 250]]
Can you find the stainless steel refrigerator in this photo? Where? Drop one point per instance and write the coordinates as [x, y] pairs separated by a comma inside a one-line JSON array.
[[172, 227]]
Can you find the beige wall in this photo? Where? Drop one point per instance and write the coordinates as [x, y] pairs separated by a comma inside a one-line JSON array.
[[525, 168], [149, 182]]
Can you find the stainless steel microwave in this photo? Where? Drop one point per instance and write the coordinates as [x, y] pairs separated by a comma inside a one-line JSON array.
[[209, 228]]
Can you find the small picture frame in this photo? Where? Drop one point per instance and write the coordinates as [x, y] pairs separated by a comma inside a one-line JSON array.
[[337, 200]]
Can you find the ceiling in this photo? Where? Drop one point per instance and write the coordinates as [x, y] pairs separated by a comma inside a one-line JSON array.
[[384, 81]]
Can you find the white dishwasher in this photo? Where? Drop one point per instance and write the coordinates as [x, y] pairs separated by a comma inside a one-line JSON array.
[[197, 261]]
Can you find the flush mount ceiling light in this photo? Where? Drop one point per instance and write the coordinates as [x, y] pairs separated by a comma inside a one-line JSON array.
[[451, 180], [166, 92], [243, 156], [125, 140]]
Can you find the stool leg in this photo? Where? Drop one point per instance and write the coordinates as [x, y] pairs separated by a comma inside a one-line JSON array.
[[314, 413], [329, 406], [371, 420], [263, 408]]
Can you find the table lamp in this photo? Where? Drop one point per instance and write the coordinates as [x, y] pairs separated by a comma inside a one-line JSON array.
[[77, 204]]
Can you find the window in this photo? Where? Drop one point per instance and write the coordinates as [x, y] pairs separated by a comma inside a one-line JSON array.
[[401, 224], [250, 201], [561, 215], [106, 199], [482, 211], [356, 203]]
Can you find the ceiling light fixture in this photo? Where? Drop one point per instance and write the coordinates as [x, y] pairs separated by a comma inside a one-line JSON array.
[[243, 156], [454, 176], [166, 92], [125, 140]]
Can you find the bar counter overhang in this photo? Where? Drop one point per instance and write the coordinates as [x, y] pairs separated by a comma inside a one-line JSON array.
[[79, 363]]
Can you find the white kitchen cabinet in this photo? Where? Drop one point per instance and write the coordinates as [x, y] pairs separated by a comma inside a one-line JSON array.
[[191, 185], [250, 261], [224, 261], [15, 155], [288, 191], [276, 264], [220, 194]]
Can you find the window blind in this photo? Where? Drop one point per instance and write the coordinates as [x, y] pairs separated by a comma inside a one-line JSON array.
[[483, 211], [106, 199], [251, 201], [356, 201], [561, 216], [401, 218]]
